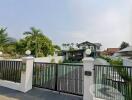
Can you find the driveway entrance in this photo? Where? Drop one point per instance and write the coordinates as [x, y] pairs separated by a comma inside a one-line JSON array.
[[34, 94]]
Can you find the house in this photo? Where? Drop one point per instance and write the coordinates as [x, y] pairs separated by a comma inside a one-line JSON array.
[[89, 45], [79, 53], [125, 53], [110, 51]]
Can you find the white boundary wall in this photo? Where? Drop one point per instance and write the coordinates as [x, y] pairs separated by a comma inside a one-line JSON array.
[[49, 59], [26, 76], [11, 85], [11, 59], [42, 59]]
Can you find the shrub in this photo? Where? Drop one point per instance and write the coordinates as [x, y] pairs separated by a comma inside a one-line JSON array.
[[52, 61], [60, 61], [117, 61], [70, 61]]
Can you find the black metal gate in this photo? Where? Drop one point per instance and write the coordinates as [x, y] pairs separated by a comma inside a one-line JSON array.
[[67, 78], [116, 77]]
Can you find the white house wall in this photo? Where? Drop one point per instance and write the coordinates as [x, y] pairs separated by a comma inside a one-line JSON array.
[[49, 59]]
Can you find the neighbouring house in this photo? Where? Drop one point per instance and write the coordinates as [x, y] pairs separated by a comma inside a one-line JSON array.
[[125, 53], [110, 51], [79, 53]]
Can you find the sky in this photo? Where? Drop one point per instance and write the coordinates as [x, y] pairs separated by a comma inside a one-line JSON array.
[[108, 22]]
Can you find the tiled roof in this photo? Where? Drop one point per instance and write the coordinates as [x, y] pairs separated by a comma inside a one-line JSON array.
[[112, 49]]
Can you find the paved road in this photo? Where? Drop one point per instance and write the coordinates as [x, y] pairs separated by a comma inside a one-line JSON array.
[[34, 94]]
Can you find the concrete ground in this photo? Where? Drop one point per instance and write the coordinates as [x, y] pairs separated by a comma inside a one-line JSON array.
[[34, 94]]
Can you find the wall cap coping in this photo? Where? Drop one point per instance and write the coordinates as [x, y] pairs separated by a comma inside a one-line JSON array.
[[88, 59], [28, 57]]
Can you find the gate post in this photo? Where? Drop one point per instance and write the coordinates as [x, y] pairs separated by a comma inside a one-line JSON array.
[[88, 63], [26, 74]]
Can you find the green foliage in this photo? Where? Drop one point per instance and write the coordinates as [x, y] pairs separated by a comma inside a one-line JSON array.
[[70, 46], [39, 44], [41, 47], [7, 44], [4, 39], [57, 47], [11, 50], [60, 62], [34, 40], [117, 61], [70, 61], [71, 49], [118, 65], [52, 61], [21, 46]]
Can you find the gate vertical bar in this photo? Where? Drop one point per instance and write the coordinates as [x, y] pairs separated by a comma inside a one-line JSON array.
[[56, 76]]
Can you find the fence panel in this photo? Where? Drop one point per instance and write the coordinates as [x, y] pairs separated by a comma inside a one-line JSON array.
[[117, 77], [10, 70]]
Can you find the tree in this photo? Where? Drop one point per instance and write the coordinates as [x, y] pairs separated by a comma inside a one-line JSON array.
[[5, 41], [57, 47], [64, 45], [39, 44], [3, 38], [34, 38], [68, 44], [124, 45], [21, 46], [72, 45]]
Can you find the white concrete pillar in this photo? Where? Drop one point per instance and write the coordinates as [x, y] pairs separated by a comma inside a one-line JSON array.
[[26, 74], [88, 63]]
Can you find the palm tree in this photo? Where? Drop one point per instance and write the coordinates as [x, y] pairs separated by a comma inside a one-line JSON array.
[[77, 45], [68, 44], [4, 39], [34, 33], [64, 45], [72, 44]]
